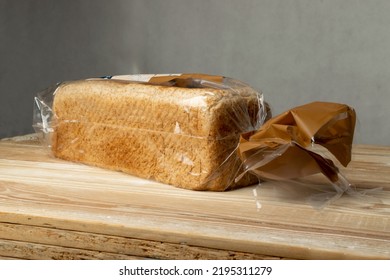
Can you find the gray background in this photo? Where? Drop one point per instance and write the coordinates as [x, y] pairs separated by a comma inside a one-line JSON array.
[[294, 51]]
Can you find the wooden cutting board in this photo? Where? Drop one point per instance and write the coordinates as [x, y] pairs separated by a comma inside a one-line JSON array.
[[54, 209]]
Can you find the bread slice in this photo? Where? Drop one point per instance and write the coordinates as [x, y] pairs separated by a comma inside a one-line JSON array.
[[185, 137]]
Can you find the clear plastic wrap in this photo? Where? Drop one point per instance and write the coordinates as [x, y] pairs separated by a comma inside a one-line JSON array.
[[181, 130], [198, 132]]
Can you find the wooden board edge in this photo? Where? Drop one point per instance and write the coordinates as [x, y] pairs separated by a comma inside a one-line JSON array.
[[76, 245]]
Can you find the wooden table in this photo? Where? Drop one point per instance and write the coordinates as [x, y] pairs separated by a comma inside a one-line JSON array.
[[53, 209]]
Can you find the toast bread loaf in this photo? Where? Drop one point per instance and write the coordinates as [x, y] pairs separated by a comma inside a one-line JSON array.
[[185, 137]]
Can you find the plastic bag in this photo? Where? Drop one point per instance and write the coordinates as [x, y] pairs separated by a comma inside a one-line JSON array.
[[181, 130], [198, 132]]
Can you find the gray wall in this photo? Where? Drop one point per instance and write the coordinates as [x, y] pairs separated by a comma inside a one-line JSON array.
[[294, 51]]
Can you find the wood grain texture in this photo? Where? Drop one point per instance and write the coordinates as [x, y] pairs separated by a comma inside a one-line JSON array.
[[83, 244], [51, 205], [37, 251]]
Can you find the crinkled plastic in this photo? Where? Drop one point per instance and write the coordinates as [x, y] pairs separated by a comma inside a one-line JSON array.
[[296, 146], [198, 132], [181, 130]]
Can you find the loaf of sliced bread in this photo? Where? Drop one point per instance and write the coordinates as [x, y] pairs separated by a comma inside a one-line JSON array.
[[183, 136]]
